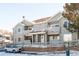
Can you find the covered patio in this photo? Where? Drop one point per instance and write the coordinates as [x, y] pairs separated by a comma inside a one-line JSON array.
[[41, 39]]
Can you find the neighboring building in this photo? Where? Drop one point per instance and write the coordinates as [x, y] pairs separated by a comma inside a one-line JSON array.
[[21, 32], [45, 31], [5, 37]]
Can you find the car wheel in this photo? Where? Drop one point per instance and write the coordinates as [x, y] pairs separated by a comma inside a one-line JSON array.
[[20, 50], [6, 50], [13, 51]]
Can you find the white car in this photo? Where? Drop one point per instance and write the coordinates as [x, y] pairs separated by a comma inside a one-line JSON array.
[[13, 48]]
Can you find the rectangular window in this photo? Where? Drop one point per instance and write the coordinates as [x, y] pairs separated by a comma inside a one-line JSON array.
[[39, 38], [34, 38], [55, 37], [56, 25], [8, 38], [48, 39], [18, 29], [19, 39], [25, 27], [1, 36], [25, 38], [30, 28]]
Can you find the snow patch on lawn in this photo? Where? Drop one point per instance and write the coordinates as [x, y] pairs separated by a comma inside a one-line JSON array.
[[56, 53]]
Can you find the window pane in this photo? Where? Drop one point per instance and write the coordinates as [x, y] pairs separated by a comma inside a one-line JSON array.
[[34, 38], [39, 38], [30, 28], [25, 27], [19, 39], [65, 24], [56, 25], [18, 29], [1, 36]]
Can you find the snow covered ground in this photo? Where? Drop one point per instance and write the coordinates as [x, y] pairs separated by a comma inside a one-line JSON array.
[[57, 53]]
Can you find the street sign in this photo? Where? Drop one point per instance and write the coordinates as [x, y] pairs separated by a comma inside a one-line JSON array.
[[67, 37]]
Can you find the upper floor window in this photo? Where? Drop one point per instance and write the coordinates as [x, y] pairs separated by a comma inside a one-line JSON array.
[[30, 28], [8, 38], [18, 29], [56, 25], [1, 36], [25, 27], [53, 26], [65, 24]]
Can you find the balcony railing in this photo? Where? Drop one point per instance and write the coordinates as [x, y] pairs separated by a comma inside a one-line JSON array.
[[54, 43], [54, 30]]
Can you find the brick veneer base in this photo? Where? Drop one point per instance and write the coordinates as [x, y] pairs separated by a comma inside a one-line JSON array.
[[48, 49], [75, 48]]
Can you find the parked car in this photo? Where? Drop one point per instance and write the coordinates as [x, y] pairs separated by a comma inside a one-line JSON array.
[[13, 48]]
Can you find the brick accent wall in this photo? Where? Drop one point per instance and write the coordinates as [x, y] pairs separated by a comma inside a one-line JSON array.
[[48, 49]]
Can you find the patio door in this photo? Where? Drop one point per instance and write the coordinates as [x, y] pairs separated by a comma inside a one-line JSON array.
[[50, 39], [42, 38]]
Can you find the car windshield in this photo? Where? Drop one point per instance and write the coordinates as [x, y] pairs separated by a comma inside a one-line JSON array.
[[11, 46], [14, 46]]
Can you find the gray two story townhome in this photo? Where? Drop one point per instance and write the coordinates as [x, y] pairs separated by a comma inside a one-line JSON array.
[[46, 31]]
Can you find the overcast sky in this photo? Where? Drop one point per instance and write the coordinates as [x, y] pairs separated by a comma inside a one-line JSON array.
[[11, 14]]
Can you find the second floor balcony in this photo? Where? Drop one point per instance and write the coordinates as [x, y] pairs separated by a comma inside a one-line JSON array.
[[54, 29]]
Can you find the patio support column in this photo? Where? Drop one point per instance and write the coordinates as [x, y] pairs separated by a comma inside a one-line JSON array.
[[45, 38], [36, 38], [32, 39]]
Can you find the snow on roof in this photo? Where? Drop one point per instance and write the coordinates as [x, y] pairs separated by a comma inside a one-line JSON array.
[[41, 20], [5, 32], [25, 22], [47, 19]]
